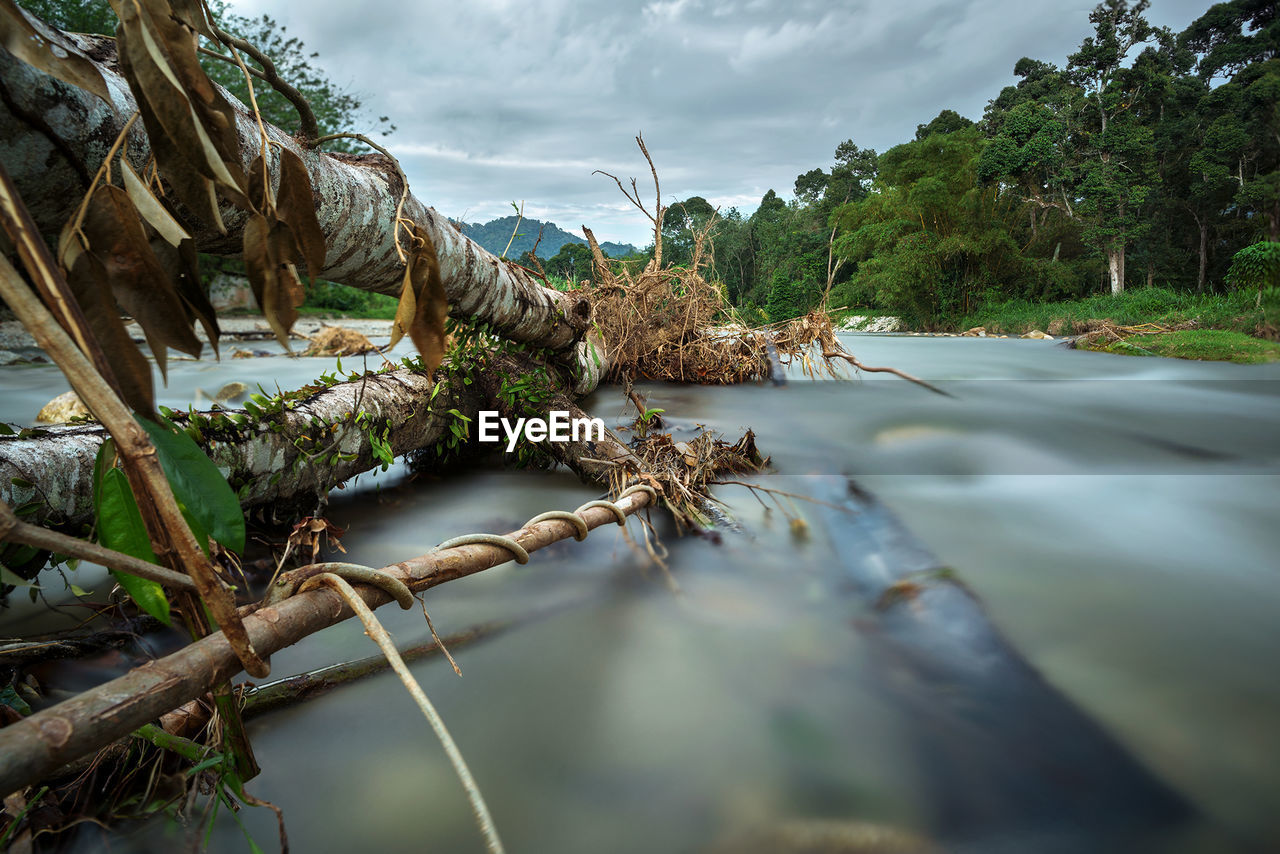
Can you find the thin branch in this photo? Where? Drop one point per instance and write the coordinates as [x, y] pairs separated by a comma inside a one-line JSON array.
[[14, 530], [634, 197], [308, 128], [255, 72], [519, 219], [832, 354]]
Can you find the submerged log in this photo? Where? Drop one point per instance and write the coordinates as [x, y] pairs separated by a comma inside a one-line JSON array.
[[1009, 763]]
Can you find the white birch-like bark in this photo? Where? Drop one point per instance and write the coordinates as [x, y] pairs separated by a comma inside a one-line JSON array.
[[53, 137]]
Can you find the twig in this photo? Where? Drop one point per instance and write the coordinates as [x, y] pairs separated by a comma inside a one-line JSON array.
[[13, 529], [103, 169], [519, 219], [832, 354], [771, 491], [308, 128], [634, 197], [207, 52]]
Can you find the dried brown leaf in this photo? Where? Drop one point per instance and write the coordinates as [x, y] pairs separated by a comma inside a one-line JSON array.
[[259, 188], [191, 13], [37, 46], [137, 280], [181, 266], [268, 254], [423, 306], [407, 308], [297, 207], [193, 190], [178, 103], [91, 286], [150, 207]]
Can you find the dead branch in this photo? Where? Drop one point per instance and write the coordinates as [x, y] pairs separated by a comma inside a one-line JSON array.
[[659, 212]]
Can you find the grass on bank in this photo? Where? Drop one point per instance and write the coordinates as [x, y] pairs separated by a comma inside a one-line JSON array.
[[1209, 345], [329, 299], [1232, 311]]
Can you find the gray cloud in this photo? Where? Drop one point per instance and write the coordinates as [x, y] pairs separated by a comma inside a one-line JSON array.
[[498, 101]]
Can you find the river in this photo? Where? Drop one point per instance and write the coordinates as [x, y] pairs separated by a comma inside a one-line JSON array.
[[1115, 515]]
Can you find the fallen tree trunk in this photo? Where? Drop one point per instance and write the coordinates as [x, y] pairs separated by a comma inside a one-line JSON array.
[[54, 135], [286, 458], [36, 746]]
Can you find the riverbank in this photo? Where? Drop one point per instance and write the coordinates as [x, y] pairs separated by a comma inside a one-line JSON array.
[[1234, 311], [1205, 345], [1204, 327]]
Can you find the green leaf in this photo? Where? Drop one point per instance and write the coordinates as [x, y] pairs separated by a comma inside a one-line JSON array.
[[120, 527], [8, 576], [212, 761], [198, 485], [148, 594]]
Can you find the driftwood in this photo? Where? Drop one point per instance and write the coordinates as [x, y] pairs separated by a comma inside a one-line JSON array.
[[38, 745]]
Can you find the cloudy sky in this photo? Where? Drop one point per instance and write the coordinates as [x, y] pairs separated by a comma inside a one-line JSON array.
[[502, 100]]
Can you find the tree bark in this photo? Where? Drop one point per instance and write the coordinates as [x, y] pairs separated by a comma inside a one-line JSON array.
[[1203, 257], [54, 135], [285, 462], [1115, 268]]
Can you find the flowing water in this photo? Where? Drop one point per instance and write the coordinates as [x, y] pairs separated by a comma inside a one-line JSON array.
[[1116, 516]]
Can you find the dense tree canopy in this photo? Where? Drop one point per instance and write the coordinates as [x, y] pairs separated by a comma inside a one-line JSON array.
[[1145, 157]]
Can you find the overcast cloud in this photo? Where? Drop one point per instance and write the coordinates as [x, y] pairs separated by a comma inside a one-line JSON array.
[[498, 101]]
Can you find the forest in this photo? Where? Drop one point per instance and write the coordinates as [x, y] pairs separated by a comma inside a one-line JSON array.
[[1147, 157]]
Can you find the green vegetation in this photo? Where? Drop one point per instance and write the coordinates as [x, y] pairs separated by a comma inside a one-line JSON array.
[[1151, 158], [1235, 311], [1212, 345], [329, 298]]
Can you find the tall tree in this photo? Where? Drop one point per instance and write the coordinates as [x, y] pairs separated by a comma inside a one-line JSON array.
[[931, 238], [1240, 39], [1234, 35], [1030, 128], [1114, 149]]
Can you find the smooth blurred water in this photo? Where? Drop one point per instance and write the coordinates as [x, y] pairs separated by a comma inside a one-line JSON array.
[[1116, 515]]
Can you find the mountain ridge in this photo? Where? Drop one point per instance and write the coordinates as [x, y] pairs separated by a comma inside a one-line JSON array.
[[493, 236]]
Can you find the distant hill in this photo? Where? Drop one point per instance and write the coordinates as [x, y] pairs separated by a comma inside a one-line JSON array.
[[494, 235]]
